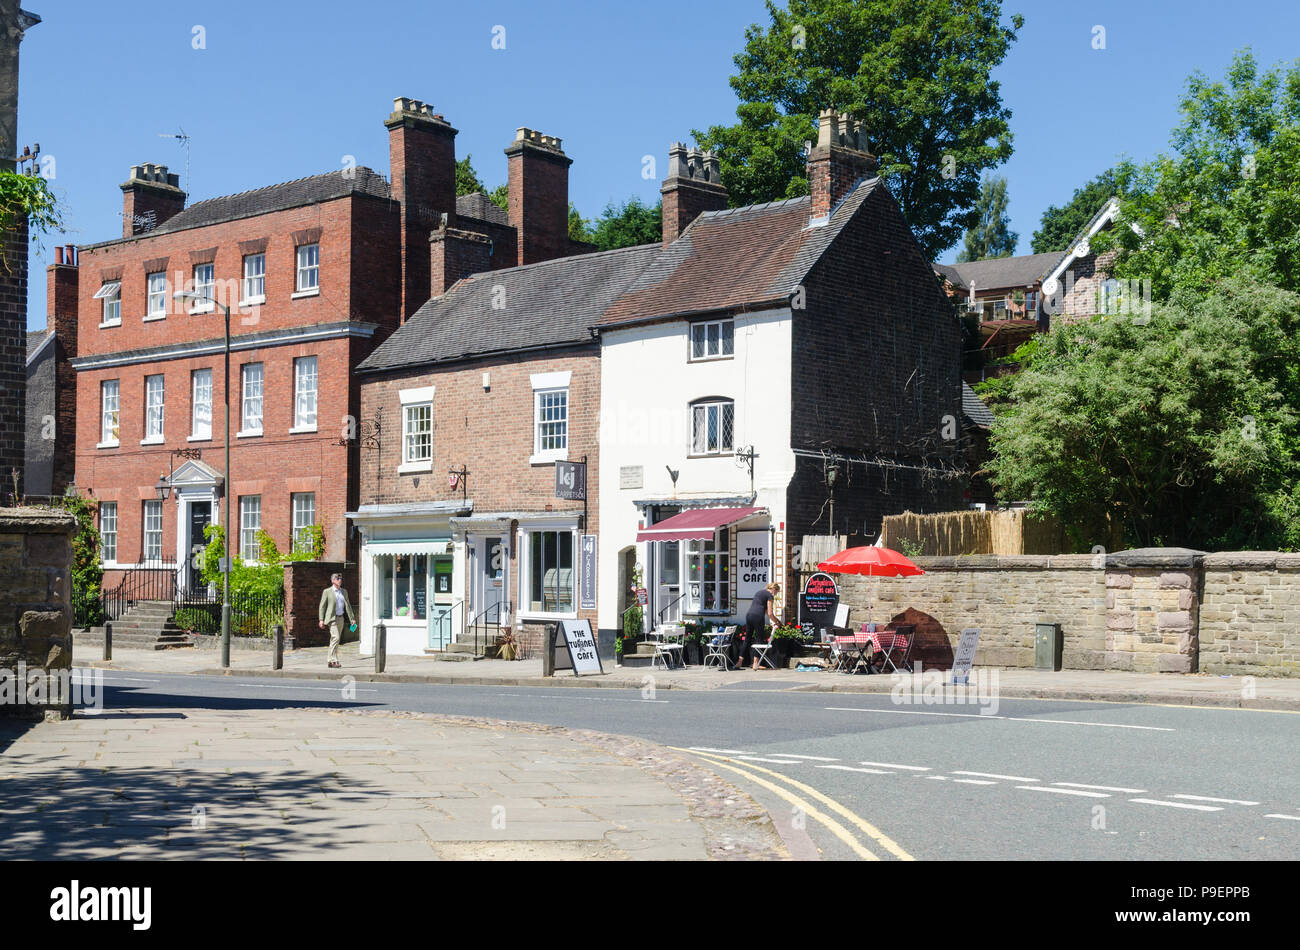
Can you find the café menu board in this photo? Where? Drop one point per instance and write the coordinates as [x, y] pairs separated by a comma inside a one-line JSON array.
[[821, 595]]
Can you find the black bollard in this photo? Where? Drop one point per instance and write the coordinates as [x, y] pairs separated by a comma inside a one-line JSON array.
[[108, 641], [277, 635], [381, 647]]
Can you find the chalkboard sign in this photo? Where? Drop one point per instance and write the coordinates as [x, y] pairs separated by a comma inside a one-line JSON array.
[[575, 647], [821, 596], [422, 601]]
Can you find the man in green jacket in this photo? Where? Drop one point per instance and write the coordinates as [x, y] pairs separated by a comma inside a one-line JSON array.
[[335, 611]]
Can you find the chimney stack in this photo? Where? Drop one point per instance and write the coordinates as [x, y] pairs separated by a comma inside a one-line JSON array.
[[61, 298], [422, 166], [693, 186], [538, 187], [838, 161], [454, 255], [149, 197]]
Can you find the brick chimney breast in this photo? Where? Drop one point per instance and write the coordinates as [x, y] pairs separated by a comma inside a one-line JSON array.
[[693, 186], [422, 168], [538, 195], [838, 161], [149, 197]]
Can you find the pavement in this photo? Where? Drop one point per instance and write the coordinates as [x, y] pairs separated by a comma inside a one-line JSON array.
[[1246, 692], [359, 785]]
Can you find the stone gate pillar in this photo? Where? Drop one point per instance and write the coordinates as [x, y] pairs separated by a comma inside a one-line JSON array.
[[1153, 610]]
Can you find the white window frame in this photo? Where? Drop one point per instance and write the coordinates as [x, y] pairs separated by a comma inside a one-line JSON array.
[[704, 406], [152, 510], [411, 400], [156, 293], [726, 329], [197, 431], [253, 286], [719, 547], [526, 610], [546, 384], [306, 269], [245, 401], [205, 284], [250, 510], [110, 408], [298, 506], [111, 294], [303, 393], [155, 409], [108, 532]]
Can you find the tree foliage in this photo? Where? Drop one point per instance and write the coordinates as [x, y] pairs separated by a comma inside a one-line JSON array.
[[1226, 201], [27, 197], [991, 235], [917, 72], [627, 225], [1181, 431], [1058, 227], [467, 180]]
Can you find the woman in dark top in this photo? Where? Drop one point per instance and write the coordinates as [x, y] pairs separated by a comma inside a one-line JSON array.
[[760, 610]]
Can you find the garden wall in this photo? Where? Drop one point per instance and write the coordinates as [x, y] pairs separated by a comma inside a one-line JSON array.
[[303, 583], [1149, 610]]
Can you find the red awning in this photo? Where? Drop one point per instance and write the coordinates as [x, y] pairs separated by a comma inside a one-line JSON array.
[[697, 524]]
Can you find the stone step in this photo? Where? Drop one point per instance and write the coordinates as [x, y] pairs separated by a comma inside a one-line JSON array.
[[449, 657]]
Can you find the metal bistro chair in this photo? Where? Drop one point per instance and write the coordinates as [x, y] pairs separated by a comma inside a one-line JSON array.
[[894, 648], [666, 639], [719, 648]]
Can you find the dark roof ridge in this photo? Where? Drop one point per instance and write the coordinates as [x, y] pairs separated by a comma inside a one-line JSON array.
[[280, 184]]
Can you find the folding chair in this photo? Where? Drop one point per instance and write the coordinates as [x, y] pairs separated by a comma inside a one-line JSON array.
[[894, 647], [719, 649], [668, 647]]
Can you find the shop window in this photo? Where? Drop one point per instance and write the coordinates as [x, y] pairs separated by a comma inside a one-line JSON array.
[[550, 572], [708, 574], [402, 586]]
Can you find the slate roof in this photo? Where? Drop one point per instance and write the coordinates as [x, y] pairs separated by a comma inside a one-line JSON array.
[[973, 408], [480, 206], [998, 272], [551, 303], [736, 258], [34, 340], [289, 194]]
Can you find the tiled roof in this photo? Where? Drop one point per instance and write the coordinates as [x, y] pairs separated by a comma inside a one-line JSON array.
[[999, 272], [289, 194], [973, 408], [552, 303], [480, 206], [735, 258]]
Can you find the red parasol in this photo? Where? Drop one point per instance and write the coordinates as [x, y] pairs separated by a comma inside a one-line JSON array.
[[870, 561]]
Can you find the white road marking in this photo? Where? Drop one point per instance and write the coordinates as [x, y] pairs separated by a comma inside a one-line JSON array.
[[849, 768], [1064, 791], [704, 748], [1008, 778], [1221, 801], [328, 689], [973, 781], [1103, 788], [1155, 801], [759, 758], [814, 758], [1287, 817], [591, 699], [1058, 722], [937, 778], [909, 768]]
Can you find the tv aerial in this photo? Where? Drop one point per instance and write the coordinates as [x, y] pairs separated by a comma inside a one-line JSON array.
[[184, 139]]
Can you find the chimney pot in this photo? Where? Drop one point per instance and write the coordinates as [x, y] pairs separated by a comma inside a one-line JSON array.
[[58, 255]]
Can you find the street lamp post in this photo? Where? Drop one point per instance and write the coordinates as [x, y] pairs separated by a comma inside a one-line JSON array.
[[195, 297]]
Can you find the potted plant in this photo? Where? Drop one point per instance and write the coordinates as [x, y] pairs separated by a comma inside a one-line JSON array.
[[786, 641], [507, 646]]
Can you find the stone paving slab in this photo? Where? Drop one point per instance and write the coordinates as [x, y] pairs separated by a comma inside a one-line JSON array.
[[148, 788], [1102, 685]]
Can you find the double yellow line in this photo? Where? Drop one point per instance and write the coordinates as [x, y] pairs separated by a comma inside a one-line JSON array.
[[835, 827]]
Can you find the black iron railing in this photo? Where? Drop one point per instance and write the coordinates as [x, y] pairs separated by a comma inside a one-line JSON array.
[[671, 604], [153, 580], [87, 608], [487, 629], [251, 614]]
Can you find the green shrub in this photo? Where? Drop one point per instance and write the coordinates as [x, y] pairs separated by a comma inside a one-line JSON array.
[[197, 620]]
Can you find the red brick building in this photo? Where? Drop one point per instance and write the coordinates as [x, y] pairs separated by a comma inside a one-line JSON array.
[[317, 272]]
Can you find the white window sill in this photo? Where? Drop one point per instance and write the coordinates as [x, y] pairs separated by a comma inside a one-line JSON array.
[[549, 458], [417, 623], [523, 616], [729, 453], [153, 440], [249, 435], [711, 359], [115, 323], [154, 316], [415, 468], [200, 438], [210, 308], [251, 302], [298, 294], [299, 430], [108, 445]]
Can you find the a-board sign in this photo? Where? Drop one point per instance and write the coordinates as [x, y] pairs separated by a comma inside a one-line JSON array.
[[575, 647], [965, 658], [587, 573], [821, 595]]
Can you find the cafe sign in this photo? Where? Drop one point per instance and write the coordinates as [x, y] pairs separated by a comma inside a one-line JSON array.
[[821, 595]]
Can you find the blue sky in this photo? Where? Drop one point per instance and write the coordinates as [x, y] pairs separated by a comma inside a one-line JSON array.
[[286, 89]]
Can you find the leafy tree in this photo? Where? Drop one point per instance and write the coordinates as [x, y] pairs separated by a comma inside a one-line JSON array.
[[1180, 431], [500, 196], [579, 229], [627, 225], [917, 72], [1227, 200], [87, 574], [467, 180], [1059, 226], [991, 235], [266, 578]]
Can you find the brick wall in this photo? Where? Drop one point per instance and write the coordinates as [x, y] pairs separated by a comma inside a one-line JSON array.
[[35, 601], [13, 352], [538, 186], [303, 583]]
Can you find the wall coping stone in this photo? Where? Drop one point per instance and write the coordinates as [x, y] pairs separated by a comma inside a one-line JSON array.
[[1253, 561], [36, 521], [1005, 562], [1156, 558]]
